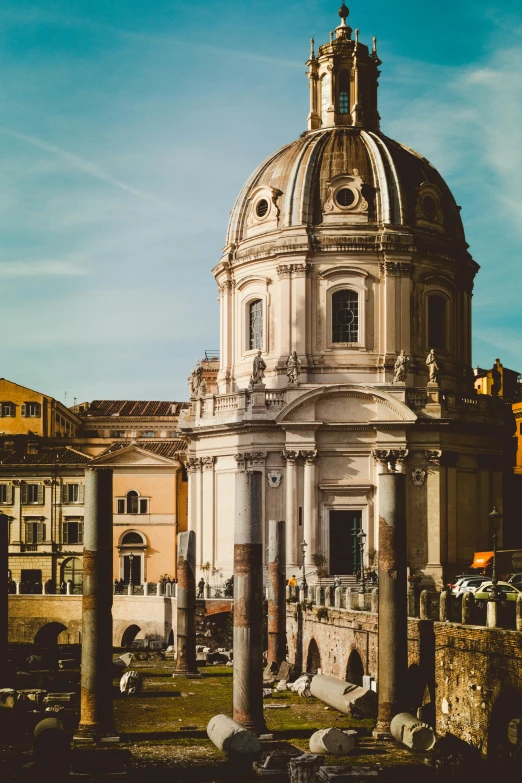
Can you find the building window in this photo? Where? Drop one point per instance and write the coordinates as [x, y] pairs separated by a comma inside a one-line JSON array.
[[345, 317], [73, 531], [437, 314], [149, 434], [6, 494], [34, 532], [73, 493], [121, 505], [132, 538], [32, 494], [344, 92], [117, 434], [256, 324], [7, 409], [31, 410], [135, 504], [72, 571]]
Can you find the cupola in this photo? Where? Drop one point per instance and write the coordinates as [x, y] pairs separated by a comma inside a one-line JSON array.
[[343, 81]]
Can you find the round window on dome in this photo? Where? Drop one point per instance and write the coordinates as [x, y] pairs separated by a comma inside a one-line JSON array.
[[262, 208], [345, 197], [430, 206]]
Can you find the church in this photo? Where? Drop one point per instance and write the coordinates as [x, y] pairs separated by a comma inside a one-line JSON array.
[[345, 290]]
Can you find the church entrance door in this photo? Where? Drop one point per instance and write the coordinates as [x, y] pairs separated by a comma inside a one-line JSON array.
[[345, 555]]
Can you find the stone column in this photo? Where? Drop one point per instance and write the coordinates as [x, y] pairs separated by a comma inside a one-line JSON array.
[[186, 624], [193, 466], [393, 610], [207, 547], [276, 592], [96, 718], [291, 508], [248, 602], [309, 512], [437, 518], [4, 597]]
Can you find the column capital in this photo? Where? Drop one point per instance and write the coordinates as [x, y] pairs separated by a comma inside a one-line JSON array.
[[310, 457], [207, 463], [193, 464], [290, 457], [284, 270], [392, 458], [253, 458], [434, 457]]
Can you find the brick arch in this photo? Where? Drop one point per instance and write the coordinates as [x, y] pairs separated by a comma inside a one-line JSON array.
[[507, 706], [49, 633], [354, 668], [129, 634], [313, 657]]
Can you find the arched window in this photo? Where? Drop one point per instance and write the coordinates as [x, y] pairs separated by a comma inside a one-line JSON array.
[[132, 538], [344, 92], [132, 502], [72, 571], [437, 314], [345, 317], [255, 311], [325, 96]]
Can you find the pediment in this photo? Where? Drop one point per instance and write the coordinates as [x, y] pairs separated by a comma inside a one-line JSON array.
[[132, 455], [346, 404]]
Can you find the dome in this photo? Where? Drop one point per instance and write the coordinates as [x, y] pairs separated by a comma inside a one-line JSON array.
[[398, 187]]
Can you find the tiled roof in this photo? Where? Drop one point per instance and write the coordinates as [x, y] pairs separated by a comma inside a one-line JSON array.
[[135, 408], [15, 453], [166, 448]]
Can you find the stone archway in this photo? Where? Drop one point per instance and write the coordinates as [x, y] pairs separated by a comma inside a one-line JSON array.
[[507, 707], [49, 633], [354, 669], [313, 659], [129, 634]]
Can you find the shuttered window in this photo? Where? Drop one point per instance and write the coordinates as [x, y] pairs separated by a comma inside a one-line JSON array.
[[7, 409], [32, 494], [31, 410], [73, 531], [34, 532], [73, 493], [6, 494]]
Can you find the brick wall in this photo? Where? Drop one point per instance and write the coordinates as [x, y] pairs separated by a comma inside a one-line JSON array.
[[460, 675]]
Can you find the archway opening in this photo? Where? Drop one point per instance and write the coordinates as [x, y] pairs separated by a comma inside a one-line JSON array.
[[170, 641], [49, 633], [313, 659], [129, 635], [72, 571], [355, 669]]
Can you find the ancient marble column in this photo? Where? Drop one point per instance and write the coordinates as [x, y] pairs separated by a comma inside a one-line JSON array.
[[96, 717], [309, 509], [393, 610], [276, 592], [186, 605], [291, 508], [4, 598], [248, 602]]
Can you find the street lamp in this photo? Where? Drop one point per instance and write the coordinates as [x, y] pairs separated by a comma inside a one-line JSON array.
[[131, 559], [303, 579], [361, 535], [495, 518]]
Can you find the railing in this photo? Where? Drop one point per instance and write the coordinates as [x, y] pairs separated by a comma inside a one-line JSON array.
[[416, 399], [275, 399], [228, 402]]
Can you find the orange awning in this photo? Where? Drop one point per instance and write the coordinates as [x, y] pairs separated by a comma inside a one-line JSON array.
[[482, 559]]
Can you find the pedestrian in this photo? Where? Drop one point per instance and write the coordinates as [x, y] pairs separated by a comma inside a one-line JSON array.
[[201, 587], [337, 581], [292, 582]]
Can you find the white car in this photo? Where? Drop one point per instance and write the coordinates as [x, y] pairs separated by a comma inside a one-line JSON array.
[[468, 584]]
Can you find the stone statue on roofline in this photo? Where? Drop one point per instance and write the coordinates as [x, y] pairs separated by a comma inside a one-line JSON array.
[[402, 366], [258, 370], [293, 365], [194, 381], [432, 364]]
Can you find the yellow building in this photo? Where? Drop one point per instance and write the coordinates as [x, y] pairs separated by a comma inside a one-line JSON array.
[[497, 382], [24, 411], [150, 507]]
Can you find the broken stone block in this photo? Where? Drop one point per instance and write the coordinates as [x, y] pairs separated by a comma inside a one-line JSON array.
[[232, 739], [344, 696], [7, 698], [34, 695], [302, 686], [333, 742], [51, 746], [346, 774], [67, 663], [229, 663], [217, 658], [304, 769], [271, 671], [282, 686], [514, 731], [59, 698], [288, 672], [267, 692], [412, 732], [131, 683]]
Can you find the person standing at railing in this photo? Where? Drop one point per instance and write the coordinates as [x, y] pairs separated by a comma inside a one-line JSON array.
[[201, 588]]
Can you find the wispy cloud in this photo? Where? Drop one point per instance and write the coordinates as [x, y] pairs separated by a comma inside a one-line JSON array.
[[48, 268], [92, 169]]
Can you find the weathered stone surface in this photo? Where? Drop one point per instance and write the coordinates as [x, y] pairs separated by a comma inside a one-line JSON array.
[[232, 739], [288, 672], [344, 696], [304, 769], [333, 742], [346, 774], [7, 698], [412, 732], [131, 683], [67, 663], [302, 686], [282, 686], [51, 745]]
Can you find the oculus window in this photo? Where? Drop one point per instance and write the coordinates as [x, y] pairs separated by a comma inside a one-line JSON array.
[[255, 312], [345, 317], [437, 313]]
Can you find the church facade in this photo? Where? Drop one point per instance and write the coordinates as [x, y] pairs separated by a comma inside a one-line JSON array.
[[345, 344]]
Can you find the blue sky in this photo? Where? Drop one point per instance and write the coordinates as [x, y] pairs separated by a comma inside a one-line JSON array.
[[128, 127]]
